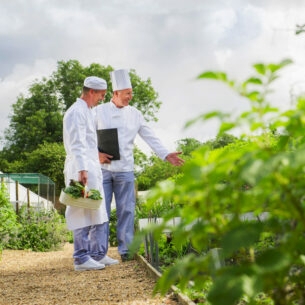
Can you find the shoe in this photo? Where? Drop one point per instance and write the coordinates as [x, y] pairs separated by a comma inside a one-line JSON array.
[[90, 264], [126, 257], [107, 261]]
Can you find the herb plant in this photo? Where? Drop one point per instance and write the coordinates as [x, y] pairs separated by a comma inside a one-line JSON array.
[[261, 173], [78, 190]]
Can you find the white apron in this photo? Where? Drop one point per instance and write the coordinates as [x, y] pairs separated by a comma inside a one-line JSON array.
[[79, 217]]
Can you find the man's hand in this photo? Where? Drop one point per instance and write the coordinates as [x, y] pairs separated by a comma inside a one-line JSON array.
[[104, 158], [174, 159], [83, 177]]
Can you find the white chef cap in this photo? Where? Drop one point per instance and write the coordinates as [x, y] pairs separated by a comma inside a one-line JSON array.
[[96, 83], [120, 79]]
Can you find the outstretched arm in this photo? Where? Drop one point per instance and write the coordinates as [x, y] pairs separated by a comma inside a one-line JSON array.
[[174, 159]]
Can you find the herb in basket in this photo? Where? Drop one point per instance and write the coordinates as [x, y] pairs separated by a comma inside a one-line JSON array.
[[77, 190]]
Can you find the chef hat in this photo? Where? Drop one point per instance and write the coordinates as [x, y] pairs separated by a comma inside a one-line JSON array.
[[96, 83], [120, 79]]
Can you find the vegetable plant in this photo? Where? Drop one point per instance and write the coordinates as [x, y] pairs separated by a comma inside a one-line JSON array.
[[77, 190], [261, 174]]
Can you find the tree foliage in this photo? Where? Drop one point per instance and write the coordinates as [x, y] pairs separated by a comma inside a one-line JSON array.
[[154, 170], [221, 141], [48, 159], [187, 146], [37, 117], [261, 174], [69, 78]]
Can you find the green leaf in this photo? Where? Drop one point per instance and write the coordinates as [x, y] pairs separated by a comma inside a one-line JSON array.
[[285, 62], [214, 75], [214, 114], [225, 126], [260, 68], [273, 67], [253, 80], [227, 290], [253, 95], [206, 116], [178, 272], [252, 171], [256, 125], [271, 79], [273, 260], [302, 259], [243, 236]]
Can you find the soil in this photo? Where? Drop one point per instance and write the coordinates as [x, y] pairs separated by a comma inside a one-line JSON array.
[[41, 278]]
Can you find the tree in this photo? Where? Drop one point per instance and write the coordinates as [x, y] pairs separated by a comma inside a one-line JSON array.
[[154, 171], [221, 140], [140, 160], [188, 145], [69, 78], [48, 159], [37, 118], [144, 97]]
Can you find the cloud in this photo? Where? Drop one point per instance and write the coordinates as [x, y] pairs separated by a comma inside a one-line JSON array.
[[171, 42], [18, 82]]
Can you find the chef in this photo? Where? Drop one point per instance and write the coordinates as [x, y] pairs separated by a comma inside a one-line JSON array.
[[82, 164], [118, 175]]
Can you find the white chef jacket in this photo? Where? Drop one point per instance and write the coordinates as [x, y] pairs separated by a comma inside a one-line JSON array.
[[129, 121], [80, 141]]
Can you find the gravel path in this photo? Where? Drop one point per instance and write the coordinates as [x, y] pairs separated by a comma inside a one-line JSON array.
[[41, 278]]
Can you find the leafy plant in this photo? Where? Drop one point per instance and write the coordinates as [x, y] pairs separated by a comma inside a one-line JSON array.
[[78, 190], [39, 230], [261, 173], [8, 218]]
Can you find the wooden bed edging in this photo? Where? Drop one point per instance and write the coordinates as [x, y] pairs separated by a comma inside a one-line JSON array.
[[182, 299]]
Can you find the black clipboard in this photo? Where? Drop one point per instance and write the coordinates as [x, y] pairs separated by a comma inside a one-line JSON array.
[[108, 142]]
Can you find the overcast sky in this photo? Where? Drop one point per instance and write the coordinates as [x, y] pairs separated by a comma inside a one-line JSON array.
[[169, 41]]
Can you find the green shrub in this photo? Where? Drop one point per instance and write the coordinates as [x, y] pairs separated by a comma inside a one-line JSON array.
[[40, 230], [8, 219], [264, 174]]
